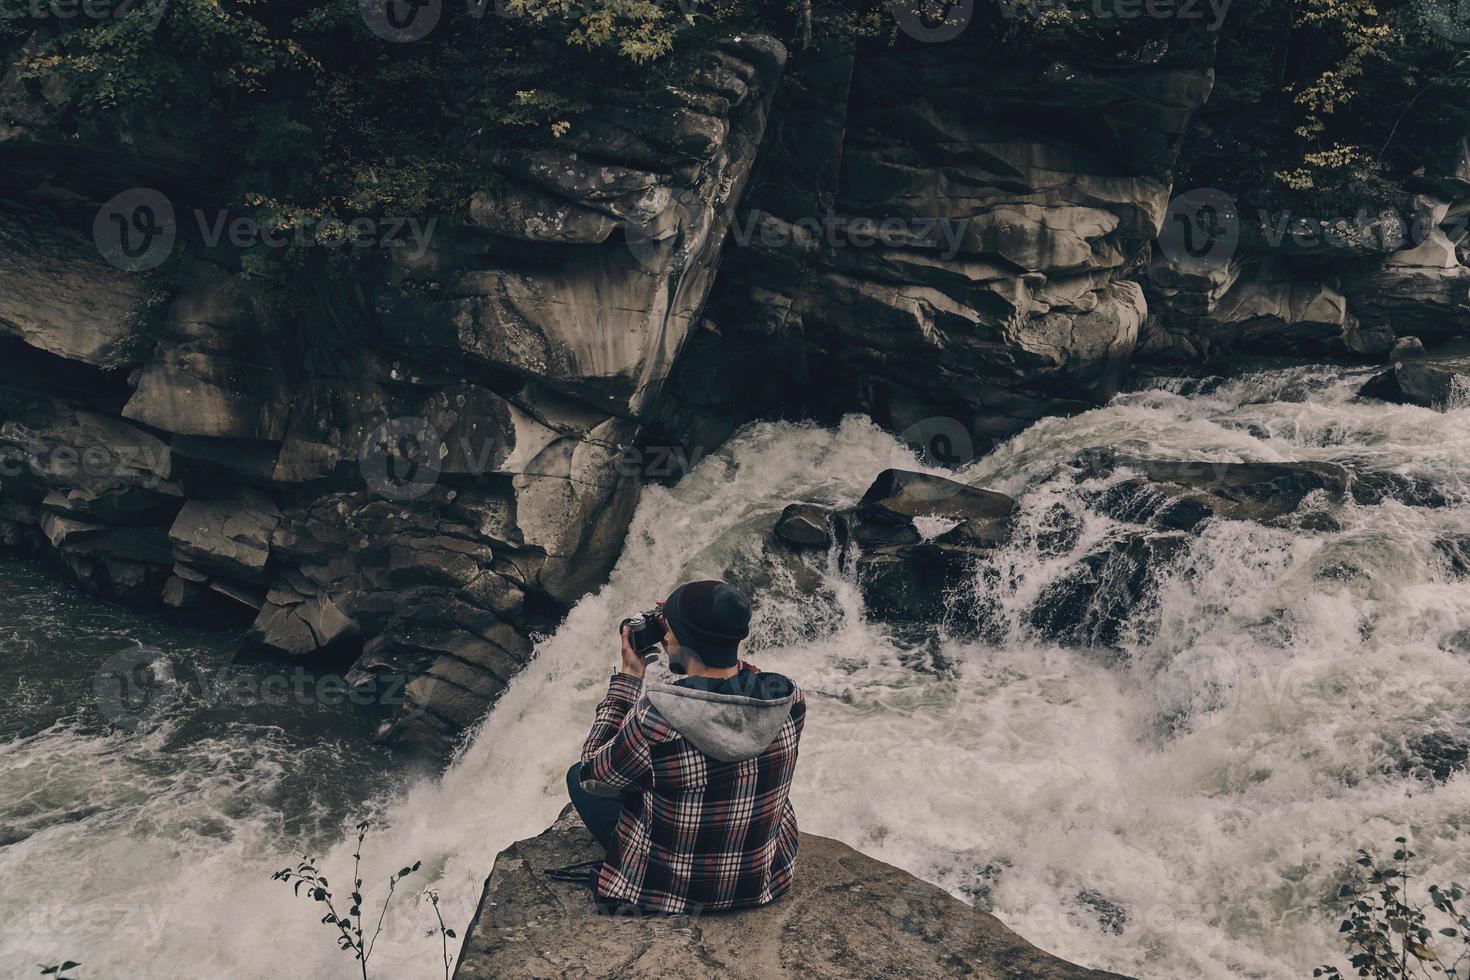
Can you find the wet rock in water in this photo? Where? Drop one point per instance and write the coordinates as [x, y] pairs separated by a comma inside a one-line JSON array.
[[1419, 383], [1111, 915], [846, 915], [1180, 494], [1371, 487], [1405, 347], [1058, 532], [904, 576], [919, 583], [1456, 551], [902, 495], [805, 526], [1436, 755], [792, 601], [1092, 602]]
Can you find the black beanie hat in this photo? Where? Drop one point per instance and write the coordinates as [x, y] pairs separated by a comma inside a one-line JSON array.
[[710, 619]]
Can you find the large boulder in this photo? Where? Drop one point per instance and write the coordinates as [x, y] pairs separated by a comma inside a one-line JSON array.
[[910, 539], [846, 915], [1180, 494], [902, 495], [1418, 382]]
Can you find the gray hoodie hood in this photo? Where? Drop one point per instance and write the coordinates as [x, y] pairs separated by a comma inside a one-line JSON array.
[[727, 727]]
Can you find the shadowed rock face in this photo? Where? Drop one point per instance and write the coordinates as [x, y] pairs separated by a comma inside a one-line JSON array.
[[412, 468], [845, 916], [1342, 293], [1415, 382], [1021, 191]]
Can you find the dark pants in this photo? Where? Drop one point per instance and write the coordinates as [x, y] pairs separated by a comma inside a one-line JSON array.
[[599, 813]]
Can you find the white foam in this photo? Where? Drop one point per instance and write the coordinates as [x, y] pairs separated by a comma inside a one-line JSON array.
[[1211, 785]]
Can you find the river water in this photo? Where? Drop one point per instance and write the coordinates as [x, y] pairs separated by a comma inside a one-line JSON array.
[[1182, 805]]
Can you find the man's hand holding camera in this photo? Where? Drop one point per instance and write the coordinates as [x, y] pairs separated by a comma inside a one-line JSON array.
[[642, 637], [632, 663]]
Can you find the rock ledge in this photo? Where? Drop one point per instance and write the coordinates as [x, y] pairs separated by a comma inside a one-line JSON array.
[[846, 916]]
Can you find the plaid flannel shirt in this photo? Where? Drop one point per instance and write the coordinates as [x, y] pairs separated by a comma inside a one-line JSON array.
[[696, 834]]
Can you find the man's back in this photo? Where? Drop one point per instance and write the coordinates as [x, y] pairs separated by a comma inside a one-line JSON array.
[[704, 767]]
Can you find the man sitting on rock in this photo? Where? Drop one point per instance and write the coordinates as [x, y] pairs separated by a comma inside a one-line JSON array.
[[685, 784]]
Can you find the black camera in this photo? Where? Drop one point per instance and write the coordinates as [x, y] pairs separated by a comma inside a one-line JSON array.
[[645, 631]]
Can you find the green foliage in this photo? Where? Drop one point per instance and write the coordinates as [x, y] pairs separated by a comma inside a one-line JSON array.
[[155, 53], [1391, 934], [309, 112], [1327, 106], [350, 935], [61, 971]]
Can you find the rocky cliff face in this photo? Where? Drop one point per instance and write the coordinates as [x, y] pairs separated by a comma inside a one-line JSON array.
[[1345, 287], [430, 452], [947, 236], [846, 915], [414, 467]]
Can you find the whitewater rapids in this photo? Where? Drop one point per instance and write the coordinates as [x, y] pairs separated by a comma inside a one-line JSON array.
[[1182, 807]]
